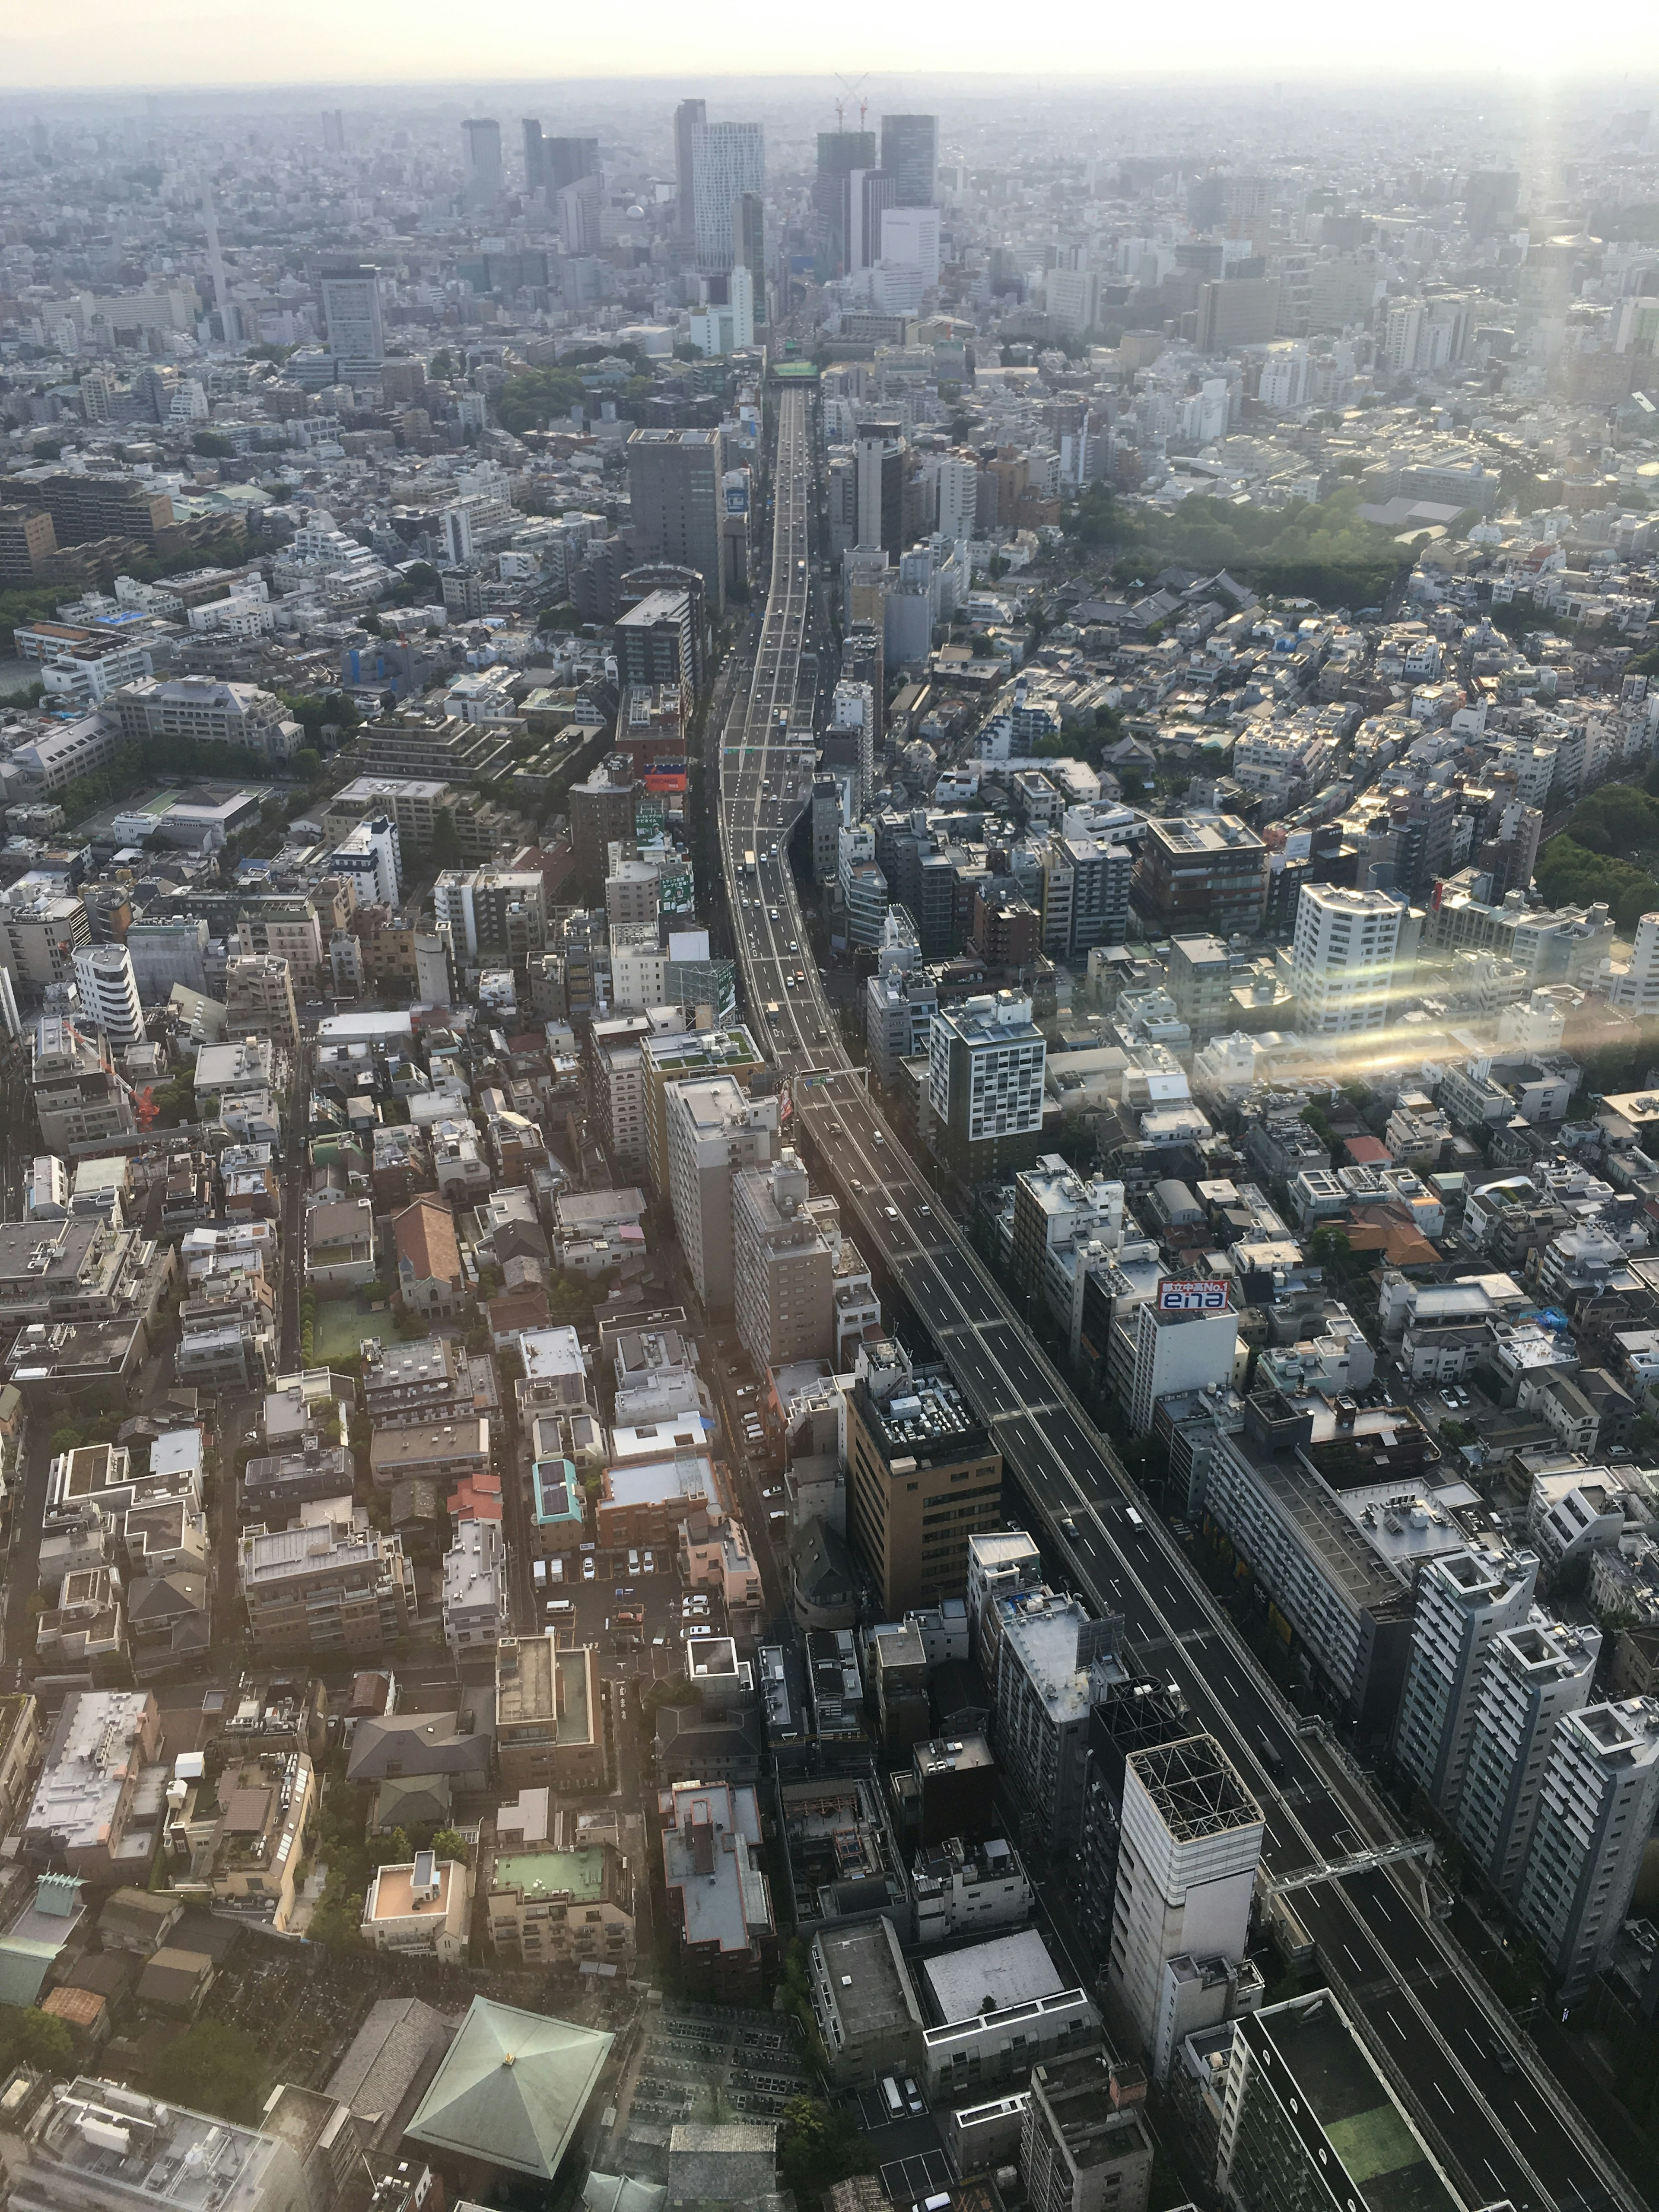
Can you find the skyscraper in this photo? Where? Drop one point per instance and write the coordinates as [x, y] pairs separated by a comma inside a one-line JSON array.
[[689, 119], [910, 154], [351, 311], [334, 130], [878, 456], [727, 160], [840, 154], [482, 175], [566, 160], [535, 155], [674, 480]]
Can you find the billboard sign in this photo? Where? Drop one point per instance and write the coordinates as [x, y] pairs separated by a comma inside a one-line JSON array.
[[1179, 1294]]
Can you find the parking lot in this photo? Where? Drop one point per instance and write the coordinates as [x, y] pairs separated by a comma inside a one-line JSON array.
[[650, 1645]]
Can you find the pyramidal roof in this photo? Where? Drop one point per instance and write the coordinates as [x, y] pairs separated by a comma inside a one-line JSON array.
[[512, 2088]]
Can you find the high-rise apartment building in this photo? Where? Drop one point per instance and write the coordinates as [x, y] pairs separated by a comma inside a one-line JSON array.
[[1534, 1676], [922, 1477], [1188, 1855], [1600, 1790], [1344, 953], [1464, 1603], [727, 160], [985, 1069], [482, 174], [713, 1129], [910, 154], [1085, 895], [1176, 1350], [674, 480], [109, 994], [784, 1264], [351, 314], [689, 118]]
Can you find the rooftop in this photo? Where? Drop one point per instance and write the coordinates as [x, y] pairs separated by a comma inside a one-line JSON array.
[[1011, 1969]]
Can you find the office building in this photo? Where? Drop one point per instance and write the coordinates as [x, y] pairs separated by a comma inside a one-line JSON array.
[[675, 486], [1305, 2106], [671, 1058], [878, 458], [713, 1129], [1189, 1848], [1001, 1563], [535, 155], [1465, 1602], [351, 316], [728, 160], [841, 153], [784, 1264], [1053, 1662], [566, 162], [1083, 2144], [689, 116], [493, 914], [1205, 871], [1597, 1800], [334, 131], [482, 180], [910, 240], [1343, 958], [1236, 311], [923, 1477], [985, 1068], [109, 994], [910, 154], [1533, 1677], [1177, 1349]]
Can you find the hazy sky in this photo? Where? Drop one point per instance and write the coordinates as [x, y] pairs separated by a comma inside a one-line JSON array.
[[149, 43]]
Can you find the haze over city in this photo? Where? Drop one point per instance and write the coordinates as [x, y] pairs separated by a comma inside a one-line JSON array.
[[828, 1030]]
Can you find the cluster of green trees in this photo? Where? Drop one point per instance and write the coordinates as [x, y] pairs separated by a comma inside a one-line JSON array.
[[29, 2037], [530, 400], [1320, 551], [820, 2145], [214, 2067], [1607, 851]]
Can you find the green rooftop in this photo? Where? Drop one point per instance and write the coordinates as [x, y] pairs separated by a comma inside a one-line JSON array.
[[579, 1873]]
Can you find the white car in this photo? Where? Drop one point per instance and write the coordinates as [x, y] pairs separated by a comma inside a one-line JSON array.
[[588, 1570], [648, 1563]]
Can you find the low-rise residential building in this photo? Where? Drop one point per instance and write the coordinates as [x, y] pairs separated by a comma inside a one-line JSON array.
[[422, 1908], [563, 1909]]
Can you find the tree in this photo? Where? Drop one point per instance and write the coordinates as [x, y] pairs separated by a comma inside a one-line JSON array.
[[214, 2067], [36, 2037], [531, 400], [442, 363], [307, 765], [820, 2146], [446, 838], [451, 1844], [213, 444]]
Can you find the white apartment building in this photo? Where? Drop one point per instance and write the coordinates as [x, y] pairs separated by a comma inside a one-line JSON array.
[[985, 1067], [1343, 956], [1175, 1353], [1465, 1602], [1600, 1790], [783, 1264], [475, 1603], [1534, 1676]]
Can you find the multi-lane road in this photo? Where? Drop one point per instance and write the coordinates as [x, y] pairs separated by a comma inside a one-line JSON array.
[[1469, 2076]]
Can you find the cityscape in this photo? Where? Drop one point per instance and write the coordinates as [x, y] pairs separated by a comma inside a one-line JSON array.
[[828, 1015]]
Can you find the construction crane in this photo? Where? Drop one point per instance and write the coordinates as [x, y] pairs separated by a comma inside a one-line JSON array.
[[852, 91]]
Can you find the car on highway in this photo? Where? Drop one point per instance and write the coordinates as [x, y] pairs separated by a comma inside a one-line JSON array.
[[923, 1209], [891, 1213]]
